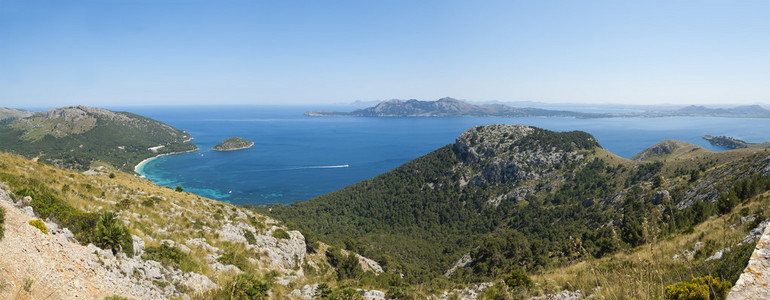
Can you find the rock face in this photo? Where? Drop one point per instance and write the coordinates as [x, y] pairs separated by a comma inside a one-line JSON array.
[[754, 283], [511, 154], [278, 252]]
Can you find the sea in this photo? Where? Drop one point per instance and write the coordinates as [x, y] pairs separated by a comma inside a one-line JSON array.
[[296, 157]]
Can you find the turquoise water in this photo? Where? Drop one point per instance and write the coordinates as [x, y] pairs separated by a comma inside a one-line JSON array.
[[295, 157]]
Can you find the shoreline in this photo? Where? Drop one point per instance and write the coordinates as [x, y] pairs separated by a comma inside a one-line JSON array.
[[146, 160]]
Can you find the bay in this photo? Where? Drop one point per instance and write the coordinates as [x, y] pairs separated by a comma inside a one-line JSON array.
[[296, 158]]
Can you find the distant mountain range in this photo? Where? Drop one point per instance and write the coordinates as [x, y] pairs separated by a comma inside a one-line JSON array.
[[745, 111], [450, 107]]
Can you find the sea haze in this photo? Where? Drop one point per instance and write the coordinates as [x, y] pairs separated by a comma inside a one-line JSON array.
[[295, 157]]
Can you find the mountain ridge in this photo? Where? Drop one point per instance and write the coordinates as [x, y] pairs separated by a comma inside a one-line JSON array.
[[450, 107]]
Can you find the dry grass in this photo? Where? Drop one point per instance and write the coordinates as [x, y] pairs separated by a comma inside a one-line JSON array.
[[178, 216], [644, 272]]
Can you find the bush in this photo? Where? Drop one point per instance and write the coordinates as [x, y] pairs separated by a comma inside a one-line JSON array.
[[518, 279], [171, 257], [247, 286], [123, 204], [39, 225], [698, 288], [150, 202], [235, 259], [281, 234], [111, 234], [250, 237], [179, 188]]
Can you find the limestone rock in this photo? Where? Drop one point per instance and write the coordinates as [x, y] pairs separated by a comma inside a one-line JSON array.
[[754, 283], [138, 245]]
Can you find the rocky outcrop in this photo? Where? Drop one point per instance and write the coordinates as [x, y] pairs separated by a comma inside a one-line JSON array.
[[308, 292], [513, 154], [753, 235], [463, 262], [754, 283], [467, 293], [276, 252], [718, 180]]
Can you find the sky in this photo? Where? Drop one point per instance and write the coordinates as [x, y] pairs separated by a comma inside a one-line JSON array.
[[180, 52]]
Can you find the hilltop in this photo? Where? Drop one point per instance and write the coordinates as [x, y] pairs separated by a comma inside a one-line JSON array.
[[449, 107], [78, 136]]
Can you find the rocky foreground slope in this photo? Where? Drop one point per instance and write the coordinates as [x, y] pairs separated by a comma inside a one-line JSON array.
[[215, 241]]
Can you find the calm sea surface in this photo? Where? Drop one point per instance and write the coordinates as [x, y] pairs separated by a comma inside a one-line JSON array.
[[296, 158]]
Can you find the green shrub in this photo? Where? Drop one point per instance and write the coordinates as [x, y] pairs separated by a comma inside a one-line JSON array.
[[110, 233], [28, 284], [247, 286], [250, 237], [518, 279], [39, 225], [171, 257], [150, 202], [235, 259], [179, 188], [123, 204], [2, 221], [281, 234], [699, 288]]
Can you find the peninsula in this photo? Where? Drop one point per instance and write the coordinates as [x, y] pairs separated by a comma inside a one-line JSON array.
[[233, 143], [733, 143]]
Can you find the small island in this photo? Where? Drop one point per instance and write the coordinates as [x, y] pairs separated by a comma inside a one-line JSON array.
[[233, 143]]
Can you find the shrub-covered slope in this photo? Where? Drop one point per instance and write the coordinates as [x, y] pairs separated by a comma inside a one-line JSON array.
[[157, 242], [512, 196], [74, 137]]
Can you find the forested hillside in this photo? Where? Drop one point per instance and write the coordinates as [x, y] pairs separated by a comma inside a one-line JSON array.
[[516, 197], [75, 137]]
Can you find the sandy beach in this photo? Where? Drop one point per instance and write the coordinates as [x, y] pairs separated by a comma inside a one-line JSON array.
[[141, 163]]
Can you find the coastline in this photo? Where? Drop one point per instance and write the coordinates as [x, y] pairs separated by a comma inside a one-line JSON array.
[[146, 160]]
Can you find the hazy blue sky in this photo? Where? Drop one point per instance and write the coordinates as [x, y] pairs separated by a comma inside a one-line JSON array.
[[121, 52]]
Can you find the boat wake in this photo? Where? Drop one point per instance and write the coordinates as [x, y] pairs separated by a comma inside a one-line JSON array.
[[300, 168]]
